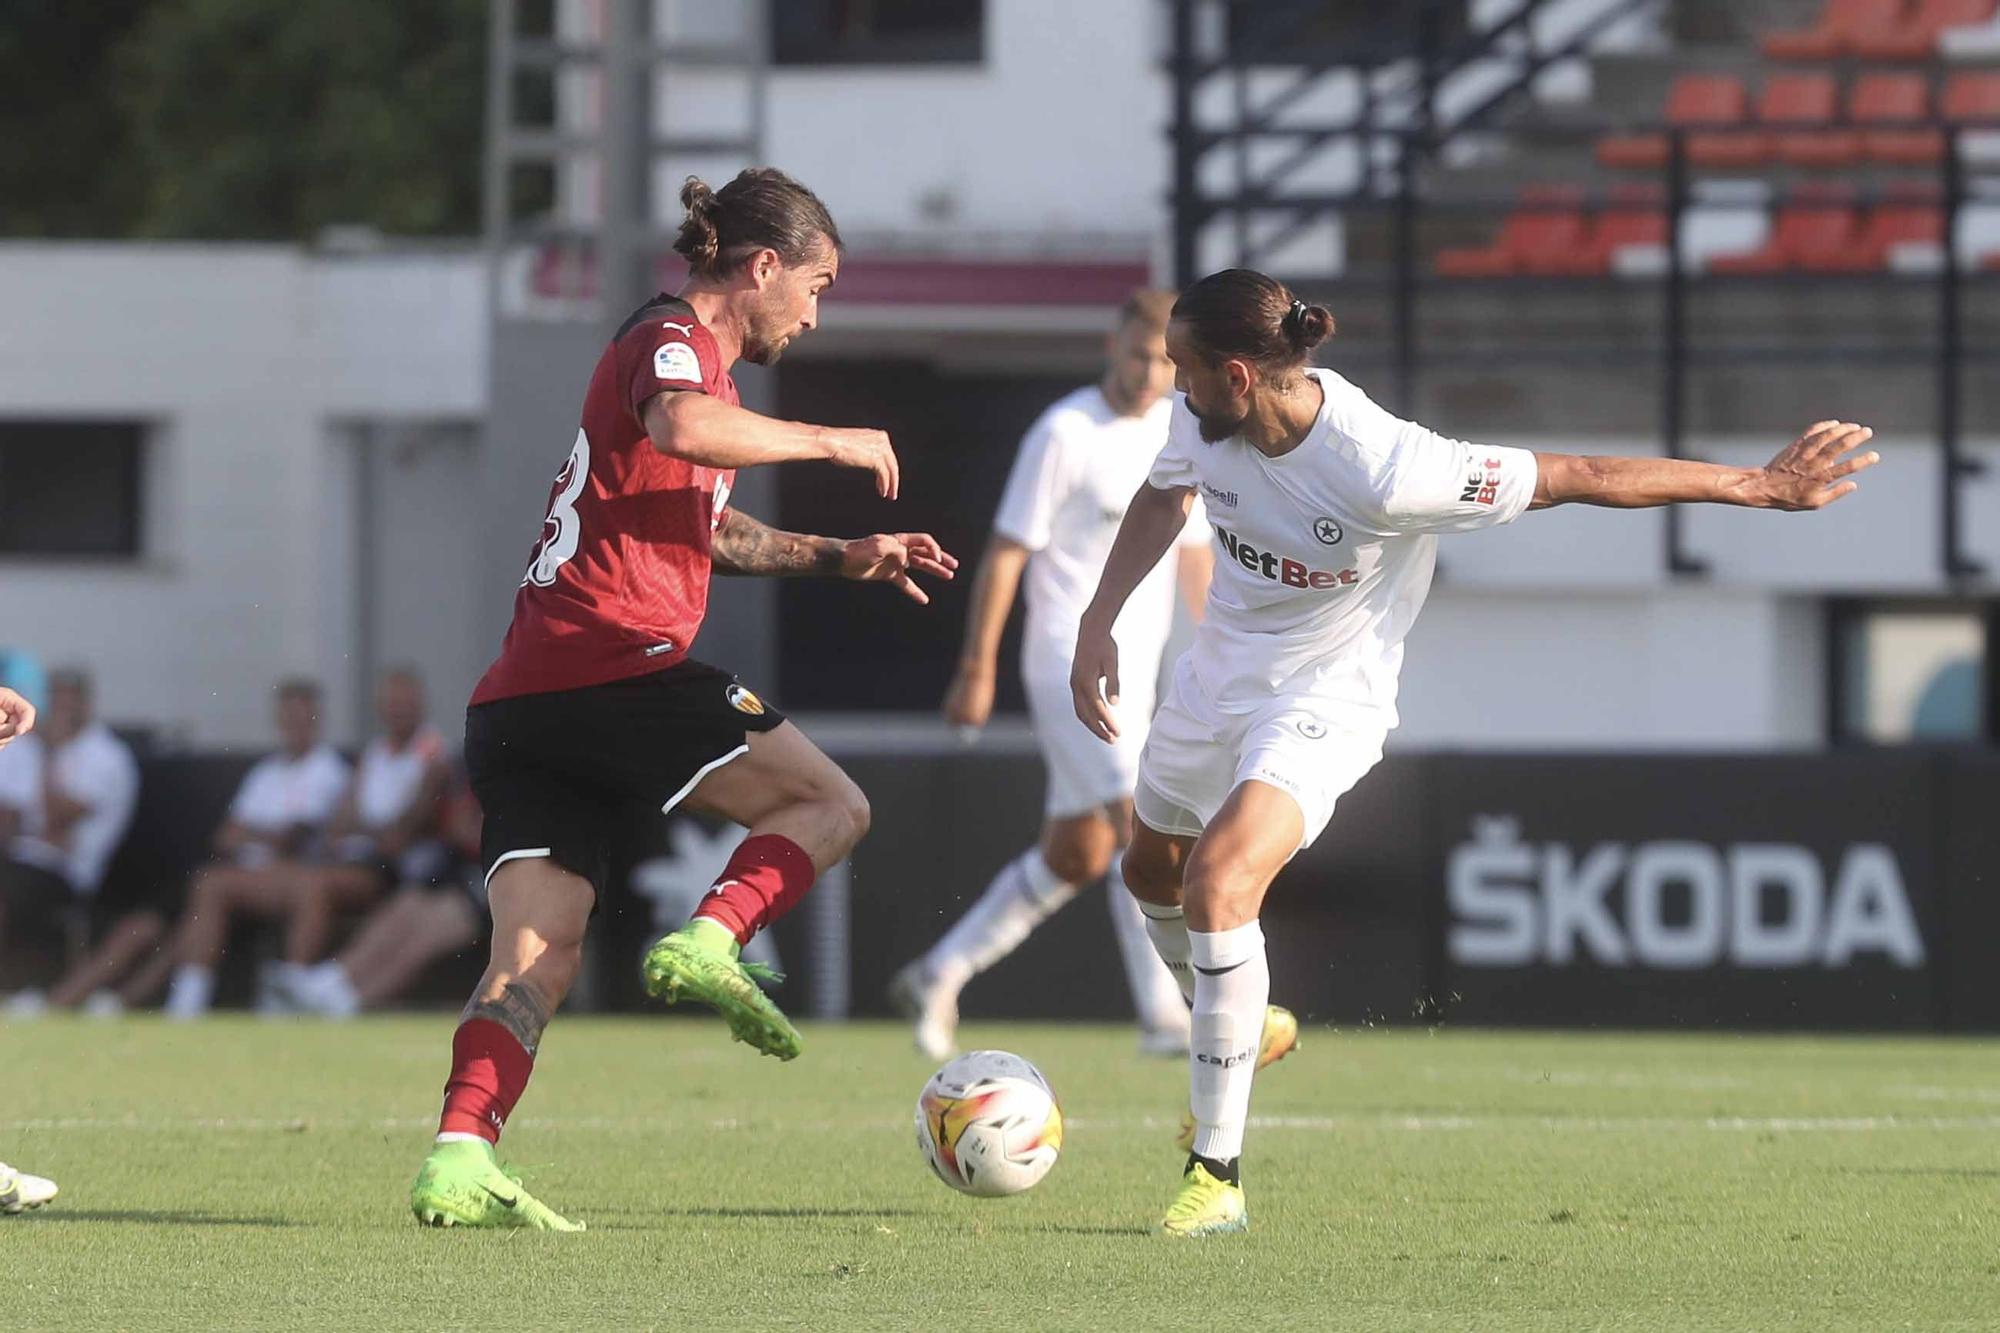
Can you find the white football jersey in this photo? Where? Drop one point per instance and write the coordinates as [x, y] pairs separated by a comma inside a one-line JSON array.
[[1324, 555], [1079, 467]]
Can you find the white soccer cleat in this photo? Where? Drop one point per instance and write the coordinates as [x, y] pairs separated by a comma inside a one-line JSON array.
[[104, 1004], [1164, 1043], [929, 1006], [27, 1004], [20, 1191]]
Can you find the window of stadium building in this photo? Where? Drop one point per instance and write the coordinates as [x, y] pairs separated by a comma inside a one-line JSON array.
[[878, 32], [70, 488], [1913, 673]]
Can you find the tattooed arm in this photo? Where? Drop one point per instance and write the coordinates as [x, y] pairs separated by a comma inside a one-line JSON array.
[[745, 546], [742, 545]]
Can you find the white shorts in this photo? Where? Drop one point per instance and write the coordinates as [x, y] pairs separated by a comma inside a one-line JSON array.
[[1312, 749], [1085, 774]]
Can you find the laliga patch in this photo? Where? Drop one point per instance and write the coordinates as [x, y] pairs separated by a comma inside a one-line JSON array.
[[743, 701], [677, 361]]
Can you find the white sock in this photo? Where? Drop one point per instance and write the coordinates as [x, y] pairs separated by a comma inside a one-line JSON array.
[[1156, 996], [1167, 928], [1232, 985], [1021, 897], [192, 989]]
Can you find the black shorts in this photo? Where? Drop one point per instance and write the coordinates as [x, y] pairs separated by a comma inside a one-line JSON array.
[[572, 773]]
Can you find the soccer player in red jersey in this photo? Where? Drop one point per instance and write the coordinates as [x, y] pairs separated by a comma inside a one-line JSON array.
[[595, 711]]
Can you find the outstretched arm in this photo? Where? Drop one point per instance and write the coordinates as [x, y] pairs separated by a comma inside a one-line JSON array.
[[1810, 473], [708, 431], [1152, 521], [742, 545]]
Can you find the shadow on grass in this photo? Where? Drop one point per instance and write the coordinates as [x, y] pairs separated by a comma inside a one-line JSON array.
[[1071, 1229], [797, 1214], [1948, 1172], [155, 1216]]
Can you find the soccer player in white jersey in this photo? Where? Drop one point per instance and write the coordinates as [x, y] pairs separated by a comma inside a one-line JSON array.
[[1326, 511], [1077, 467], [18, 1189]]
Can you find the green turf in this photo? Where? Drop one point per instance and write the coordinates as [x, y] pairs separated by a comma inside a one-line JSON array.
[[248, 1174]]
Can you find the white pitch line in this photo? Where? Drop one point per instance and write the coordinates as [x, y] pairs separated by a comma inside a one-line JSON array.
[[1420, 1124]]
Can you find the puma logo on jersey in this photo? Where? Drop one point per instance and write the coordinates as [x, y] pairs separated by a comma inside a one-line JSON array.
[[1283, 569], [685, 330]]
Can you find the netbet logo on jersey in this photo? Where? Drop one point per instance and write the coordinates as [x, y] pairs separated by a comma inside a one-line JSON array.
[[1283, 569], [1482, 484]]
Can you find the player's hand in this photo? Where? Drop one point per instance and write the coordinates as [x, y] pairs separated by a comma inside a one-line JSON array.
[[1093, 682], [869, 450], [17, 716], [969, 701], [891, 557], [1809, 472]]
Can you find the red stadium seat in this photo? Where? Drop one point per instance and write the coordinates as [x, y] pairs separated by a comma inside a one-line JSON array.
[[1902, 100], [1973, 95], [1818, 225], [1695, 100], [1807, 99], [1888, 225], [1916, 38], [1534, 239], [1632, 219], [1841, 24]]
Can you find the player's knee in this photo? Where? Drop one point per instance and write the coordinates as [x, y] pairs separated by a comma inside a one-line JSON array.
[[1078, 860], [852, 803], [1151, 880], [1212, 892]]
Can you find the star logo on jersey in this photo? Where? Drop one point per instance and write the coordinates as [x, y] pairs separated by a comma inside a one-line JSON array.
[[743, 701], [1312, 730], [1327, 532]]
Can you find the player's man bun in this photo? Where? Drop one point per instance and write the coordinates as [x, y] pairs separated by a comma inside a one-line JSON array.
[[1241, 314], [698, 241], [762, 209]]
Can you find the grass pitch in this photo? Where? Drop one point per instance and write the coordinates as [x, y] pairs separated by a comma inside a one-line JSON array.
[[253, 1174]]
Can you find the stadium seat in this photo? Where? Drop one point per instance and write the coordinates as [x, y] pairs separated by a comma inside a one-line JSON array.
[[1802, 99], [1900, 100], [1694, 101], [1632, 220], [1981, 41], [1905, 234], [1916, 37], [1536, 237], [1818, 224], [1841, 24], [1972, 95]]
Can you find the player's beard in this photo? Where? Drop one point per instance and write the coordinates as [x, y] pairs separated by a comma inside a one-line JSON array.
[[1216, 427], [766, 338]]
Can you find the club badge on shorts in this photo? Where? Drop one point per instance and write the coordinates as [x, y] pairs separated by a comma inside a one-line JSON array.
[[743, 701]]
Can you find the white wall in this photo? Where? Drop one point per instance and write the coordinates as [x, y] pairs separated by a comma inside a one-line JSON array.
[[1059, 129], [244, 357]]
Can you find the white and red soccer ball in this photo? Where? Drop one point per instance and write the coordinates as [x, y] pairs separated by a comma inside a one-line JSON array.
[[988, 1124]]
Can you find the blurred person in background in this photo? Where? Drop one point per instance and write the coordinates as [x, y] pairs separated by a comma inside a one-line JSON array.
[[275, 819], [66, 799], [427, 919], [1078, 467], [19, 1191], [382, 825]]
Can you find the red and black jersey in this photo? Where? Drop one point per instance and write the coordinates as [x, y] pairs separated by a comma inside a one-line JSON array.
[[617, 584]]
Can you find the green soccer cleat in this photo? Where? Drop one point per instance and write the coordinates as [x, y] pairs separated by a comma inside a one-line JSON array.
[[1280, 1039], [461, 1185], [699, 962], [1205, 1207]]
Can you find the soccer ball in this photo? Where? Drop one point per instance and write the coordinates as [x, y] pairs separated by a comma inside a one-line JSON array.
[[988, 1124]]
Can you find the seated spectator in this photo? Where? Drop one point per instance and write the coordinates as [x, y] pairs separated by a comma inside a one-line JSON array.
[[66, 797], [423, 922], [384, 821]]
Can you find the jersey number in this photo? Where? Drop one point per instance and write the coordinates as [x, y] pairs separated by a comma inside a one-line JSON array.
[[562, 528]]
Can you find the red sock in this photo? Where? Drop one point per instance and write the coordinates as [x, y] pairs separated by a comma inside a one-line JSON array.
[[764, 880], [489, 1070]]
